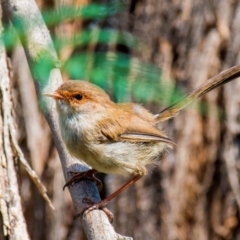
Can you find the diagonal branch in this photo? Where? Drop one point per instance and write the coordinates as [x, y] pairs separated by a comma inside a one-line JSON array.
[[27, 20]]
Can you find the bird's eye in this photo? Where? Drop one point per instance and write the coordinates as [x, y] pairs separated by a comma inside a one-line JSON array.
[[78, 97]]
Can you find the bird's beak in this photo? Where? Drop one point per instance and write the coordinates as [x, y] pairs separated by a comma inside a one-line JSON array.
[[55, 95]]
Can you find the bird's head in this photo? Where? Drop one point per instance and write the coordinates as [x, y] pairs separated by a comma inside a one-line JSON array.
[[80, 97]]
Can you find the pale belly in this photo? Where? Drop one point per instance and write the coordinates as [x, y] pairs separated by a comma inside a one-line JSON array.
[[110, 157], [120, 157]]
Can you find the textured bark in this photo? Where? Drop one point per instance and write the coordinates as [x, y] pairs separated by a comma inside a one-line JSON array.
[[13, 225]]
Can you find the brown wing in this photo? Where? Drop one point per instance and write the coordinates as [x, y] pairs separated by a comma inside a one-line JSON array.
[[144, 137], [131, 130]]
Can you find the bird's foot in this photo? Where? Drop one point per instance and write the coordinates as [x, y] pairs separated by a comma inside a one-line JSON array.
[[101, 205], [79, 176]]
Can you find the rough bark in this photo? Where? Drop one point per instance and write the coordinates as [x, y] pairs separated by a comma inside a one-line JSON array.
[[194, 193], [13, 225]]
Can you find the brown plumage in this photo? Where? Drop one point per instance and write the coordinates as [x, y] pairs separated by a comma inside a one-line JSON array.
[[110, 137]]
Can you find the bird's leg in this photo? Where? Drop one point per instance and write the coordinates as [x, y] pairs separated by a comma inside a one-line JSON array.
[[103, 203], [79, 176]]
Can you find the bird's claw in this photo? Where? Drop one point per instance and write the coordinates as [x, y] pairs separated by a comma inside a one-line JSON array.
[[79, 176], [95, 206]]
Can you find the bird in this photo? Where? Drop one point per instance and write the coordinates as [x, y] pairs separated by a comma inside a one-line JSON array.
[[117, 138]]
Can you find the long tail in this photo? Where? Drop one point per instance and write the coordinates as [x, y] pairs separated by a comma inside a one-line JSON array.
[[216, 81]]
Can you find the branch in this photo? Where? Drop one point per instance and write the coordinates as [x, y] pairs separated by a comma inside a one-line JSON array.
[[27, 20], [12, 219]]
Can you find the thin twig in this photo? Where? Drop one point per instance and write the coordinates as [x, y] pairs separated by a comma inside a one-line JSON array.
[[26, 166]]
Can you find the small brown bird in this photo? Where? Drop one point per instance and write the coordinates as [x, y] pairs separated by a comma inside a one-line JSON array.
[[116, 138], [109, 137]]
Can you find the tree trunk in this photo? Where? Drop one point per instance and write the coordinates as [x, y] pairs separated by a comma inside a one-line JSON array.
[[194, 192]]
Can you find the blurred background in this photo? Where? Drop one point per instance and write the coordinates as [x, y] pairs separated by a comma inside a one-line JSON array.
[[151, 52]]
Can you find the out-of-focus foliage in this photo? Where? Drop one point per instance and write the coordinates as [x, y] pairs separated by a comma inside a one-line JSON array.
[[92, 11], [120, 74]]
